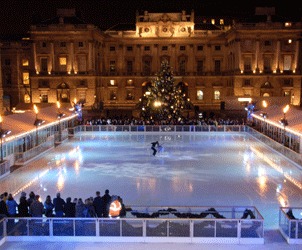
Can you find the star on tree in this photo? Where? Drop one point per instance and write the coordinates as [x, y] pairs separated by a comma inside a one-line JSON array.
[[164, 100]]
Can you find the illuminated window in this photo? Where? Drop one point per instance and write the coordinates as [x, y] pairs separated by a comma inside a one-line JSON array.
[[288, 24], [216, 95], [25, 62], [26, 98], [129, 82], [221, 22], [112, 82], [63, 61], [286, 93], [112, 66], [213, 21], [199, 95], [112, 95], [25, 78], [129, 95], [289, 41]]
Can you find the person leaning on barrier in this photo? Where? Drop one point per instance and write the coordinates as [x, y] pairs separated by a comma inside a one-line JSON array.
[[115, 207]]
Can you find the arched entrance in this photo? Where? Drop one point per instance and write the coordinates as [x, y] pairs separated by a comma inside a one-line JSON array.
[[63, 93]]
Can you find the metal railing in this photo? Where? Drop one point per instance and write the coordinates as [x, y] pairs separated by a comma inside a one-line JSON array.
[[157, 128], [168, 227], [290, 225]]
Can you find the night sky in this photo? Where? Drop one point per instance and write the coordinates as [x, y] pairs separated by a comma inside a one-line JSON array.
[[17, 15]]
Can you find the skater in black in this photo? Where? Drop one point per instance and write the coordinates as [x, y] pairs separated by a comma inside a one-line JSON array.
[[154, 144]]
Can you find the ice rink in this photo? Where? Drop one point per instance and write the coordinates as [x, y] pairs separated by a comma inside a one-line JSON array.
[[202, 169]]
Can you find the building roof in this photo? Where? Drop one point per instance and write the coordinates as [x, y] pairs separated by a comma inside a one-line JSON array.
[[19, 123], [275, 113]]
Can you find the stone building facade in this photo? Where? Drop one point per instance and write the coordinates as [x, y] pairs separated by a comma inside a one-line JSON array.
[[218, 59]]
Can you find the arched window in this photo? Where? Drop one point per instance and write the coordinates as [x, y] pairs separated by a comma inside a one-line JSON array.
[[199, 95], [216, 95], [63, 93]]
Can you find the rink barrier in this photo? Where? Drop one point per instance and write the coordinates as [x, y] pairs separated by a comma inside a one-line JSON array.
[[291, 227], [168, 227], [157, 128]]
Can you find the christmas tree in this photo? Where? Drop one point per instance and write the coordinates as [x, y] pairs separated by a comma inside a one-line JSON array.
[[164, 100]]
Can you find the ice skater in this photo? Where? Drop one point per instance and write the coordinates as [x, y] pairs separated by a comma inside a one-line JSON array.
[[154, 144]]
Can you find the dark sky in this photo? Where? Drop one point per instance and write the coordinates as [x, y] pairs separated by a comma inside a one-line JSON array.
[[17, 15]]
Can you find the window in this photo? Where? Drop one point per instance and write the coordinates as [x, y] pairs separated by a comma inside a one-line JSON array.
[[221, 22], [63, 61], [44, 65], [199, 95], [217, 66], [247, 64], [112, 95], [129, 65], [44, 45], [129, 82], [182, 66], [216, 95], [147, 67], [63, 44], [129, 95], [129, 48], [112, 82], [199, 47], [112, 48], [7, 62], [247, 82], [81, 44], [25, 62], [217, 47], [267, 64], [8, 80], [164, 48], [267, 43], [286, 93], [44, 98], [26, 98], [112, 66], [182, 48], [199, 67], [147, 48], [287, 62], [25, 77], [213, 21]]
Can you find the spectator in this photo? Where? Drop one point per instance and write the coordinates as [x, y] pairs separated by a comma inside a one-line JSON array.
[[79, 208], [98, 203], [12, 206], [23, 207], [48, 206], [3, 207], [106, 201], [36, 208], [59, 204], [69, 208]]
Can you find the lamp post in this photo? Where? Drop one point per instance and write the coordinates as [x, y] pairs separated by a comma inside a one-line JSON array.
[[60, 115], [284, 121], [3, 133], [37, 123], [264, 115]]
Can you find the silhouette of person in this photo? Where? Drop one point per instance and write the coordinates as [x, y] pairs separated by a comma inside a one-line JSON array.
[[154, 144]]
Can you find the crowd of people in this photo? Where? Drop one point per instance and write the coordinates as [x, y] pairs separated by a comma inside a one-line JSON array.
[[135, 122], [100, 206]]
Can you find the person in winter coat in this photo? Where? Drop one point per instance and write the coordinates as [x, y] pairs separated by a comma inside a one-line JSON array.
[[12, 206], [48, 206], [36, 208]]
